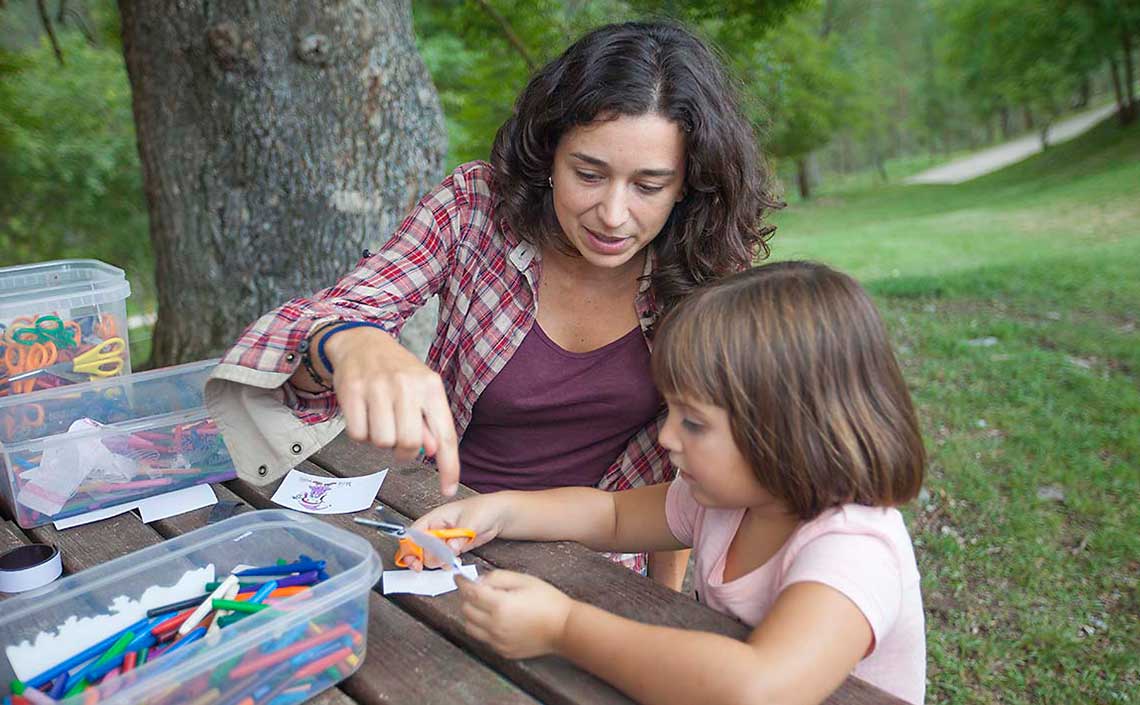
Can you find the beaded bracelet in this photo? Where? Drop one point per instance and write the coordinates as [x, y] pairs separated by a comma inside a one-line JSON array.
[[307, 362], [344, 325]]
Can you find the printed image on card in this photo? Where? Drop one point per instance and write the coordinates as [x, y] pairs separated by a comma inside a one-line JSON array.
[[328, 495]]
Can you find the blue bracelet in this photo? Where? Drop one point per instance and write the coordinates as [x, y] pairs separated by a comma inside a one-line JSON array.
[[345, 325]]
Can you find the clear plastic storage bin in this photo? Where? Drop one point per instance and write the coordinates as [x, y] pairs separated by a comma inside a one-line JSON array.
[[67, 318], [70, 450], [281, 650]]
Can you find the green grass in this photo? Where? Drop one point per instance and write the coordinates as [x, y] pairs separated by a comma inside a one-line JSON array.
[[1029, 599]]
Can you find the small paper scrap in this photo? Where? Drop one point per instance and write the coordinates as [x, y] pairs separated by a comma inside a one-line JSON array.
[[425, 582], [328, 495], [161, 506], [66, 463]]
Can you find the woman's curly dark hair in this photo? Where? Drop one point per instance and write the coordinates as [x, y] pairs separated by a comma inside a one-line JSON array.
[[633, 69]]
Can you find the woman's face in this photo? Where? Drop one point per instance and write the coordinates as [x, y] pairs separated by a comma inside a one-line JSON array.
[[615, 183]]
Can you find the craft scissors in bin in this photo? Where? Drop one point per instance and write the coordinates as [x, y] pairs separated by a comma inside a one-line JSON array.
[[22, 361], [16, 421], [103, 360], [48, 329], [414, 542]]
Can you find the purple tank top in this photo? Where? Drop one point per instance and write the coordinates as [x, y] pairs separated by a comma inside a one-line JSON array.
[[553, 418]]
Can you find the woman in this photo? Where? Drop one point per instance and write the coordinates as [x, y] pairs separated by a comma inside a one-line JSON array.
[[626, 177]]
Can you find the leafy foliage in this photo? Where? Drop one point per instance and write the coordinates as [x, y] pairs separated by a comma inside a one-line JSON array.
[[68, 164]]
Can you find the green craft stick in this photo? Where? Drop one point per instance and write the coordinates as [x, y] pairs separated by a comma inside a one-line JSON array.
[[142, 657], [231, 618], [117, 648], [18, 687], [236, 606]]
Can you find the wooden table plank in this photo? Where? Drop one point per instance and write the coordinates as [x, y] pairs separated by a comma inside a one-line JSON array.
[[412, 490], [406, 661], [552, 680]]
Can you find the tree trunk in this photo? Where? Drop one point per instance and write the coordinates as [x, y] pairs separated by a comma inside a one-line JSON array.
[[1084, 94], [278, 139], [1125, 112], [1129, 79], [1006, 123], [802, 178], [1029, 122]]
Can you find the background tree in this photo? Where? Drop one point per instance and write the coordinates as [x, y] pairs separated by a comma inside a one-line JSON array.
[[277, 140], [798, 92]]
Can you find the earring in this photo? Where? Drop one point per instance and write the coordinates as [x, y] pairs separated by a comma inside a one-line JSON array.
[[550, 180]]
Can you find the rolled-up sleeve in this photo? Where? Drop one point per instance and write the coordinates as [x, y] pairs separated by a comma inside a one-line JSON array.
[[269, 426]]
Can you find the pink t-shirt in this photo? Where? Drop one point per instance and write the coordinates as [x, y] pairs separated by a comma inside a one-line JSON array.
[[863, 552]]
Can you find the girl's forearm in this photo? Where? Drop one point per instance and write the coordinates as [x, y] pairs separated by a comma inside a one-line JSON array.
[[635, 658], [581, 514]]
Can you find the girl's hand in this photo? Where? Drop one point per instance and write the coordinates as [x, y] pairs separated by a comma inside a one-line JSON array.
[[392, 399], [485, 515], [519, 616]]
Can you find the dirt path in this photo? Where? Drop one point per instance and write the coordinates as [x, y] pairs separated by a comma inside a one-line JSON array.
[[995, 158]]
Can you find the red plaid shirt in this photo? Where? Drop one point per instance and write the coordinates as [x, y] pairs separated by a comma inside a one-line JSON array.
[[450, 245]]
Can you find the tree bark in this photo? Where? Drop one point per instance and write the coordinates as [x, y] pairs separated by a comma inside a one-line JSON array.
[[278, 140]]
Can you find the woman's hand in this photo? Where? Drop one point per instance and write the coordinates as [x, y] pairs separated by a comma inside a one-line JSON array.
[[392, 400], [485, 515], [519, 616]]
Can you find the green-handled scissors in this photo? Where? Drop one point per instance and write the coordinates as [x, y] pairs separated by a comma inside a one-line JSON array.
[[103, 360], [48, 329]]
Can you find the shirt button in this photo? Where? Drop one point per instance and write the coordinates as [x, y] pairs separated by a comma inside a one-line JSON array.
[[263, 471], [296, 448]]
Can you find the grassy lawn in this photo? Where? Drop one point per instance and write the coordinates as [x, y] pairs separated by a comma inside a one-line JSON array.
[[1013, 301]]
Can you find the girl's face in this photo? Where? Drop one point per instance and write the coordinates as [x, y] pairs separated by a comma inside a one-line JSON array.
[[615, 183], [700, 443]]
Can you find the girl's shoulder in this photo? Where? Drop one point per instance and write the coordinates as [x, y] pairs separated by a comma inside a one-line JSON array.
[[857, 522]]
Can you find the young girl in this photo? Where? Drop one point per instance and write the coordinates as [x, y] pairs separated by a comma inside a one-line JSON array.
[[794, 437]]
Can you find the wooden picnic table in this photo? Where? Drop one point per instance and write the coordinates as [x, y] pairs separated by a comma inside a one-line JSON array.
[[418, 651]]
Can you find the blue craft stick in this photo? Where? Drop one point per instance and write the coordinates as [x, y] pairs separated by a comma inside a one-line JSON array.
[[293, 635], [85, 655], [319, 652], [142, 641], [59, 687], [98, 672], [190, 638], [263, 592], [297, 567], [290, 698]]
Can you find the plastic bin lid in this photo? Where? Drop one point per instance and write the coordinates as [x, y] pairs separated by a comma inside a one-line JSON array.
[[56, 273], [38, 300]]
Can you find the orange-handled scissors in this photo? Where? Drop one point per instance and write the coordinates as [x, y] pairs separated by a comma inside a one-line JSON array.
[[410, 549], [411, 540], [24, 361], [103, 360], [21, 418], [105, 327]]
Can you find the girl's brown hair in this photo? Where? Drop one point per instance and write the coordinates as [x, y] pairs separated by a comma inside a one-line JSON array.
[[797, 355]]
